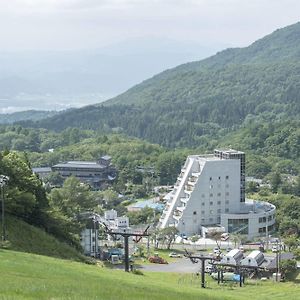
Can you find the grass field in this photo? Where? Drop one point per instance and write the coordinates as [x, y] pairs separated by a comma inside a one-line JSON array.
[[29, 276]]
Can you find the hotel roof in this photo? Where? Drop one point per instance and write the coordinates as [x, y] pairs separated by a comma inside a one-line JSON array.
[[80, 165]]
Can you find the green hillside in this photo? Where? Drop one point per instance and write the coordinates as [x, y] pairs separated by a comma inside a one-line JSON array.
[[206, 99], [33, 115], [27, 238], [28, 276]]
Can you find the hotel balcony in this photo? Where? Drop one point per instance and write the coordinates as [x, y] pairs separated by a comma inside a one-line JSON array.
[[177, 217], [191, 183], [184, 200], [180, 208], [177, 214]]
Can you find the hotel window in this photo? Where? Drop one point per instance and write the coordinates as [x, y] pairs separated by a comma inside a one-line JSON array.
[[227, 177], [194, 213], [211, 219], [219, 210], [219, 202], [227, 202], [211, 212], [202, 212], [211, 195], [227, 193], [203, 203], [211, 203], [219, 177], [219, 194], [226, 210], [210, 178], [203, 196], [202, 220], [227, 185], [211, 186]]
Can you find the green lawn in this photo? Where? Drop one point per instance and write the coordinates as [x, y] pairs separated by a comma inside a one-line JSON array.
[[29, 276]]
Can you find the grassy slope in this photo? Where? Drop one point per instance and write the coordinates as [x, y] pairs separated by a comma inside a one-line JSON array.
[[26, 238], [28, 276]]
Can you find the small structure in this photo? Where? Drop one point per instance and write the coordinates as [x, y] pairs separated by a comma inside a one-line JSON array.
[[233, 257], [254, 259], [115, 222], [89, 236]]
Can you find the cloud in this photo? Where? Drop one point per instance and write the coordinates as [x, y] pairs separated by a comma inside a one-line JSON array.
[[94, 23]]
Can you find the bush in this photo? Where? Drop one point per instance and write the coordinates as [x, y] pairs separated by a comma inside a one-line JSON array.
[[137, 272]]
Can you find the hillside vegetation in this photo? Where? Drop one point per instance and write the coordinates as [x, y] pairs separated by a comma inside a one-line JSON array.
[[27, 238], [33, 115], [194, 102], [30, 276]]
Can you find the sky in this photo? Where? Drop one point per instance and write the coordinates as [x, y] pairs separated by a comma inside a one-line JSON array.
[[90, 24]]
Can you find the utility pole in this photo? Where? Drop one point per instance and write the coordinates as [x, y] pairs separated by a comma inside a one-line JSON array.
[[195, 259], [126, 235], [3, 181]]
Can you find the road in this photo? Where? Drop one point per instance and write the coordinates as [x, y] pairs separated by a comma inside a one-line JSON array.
[[182, 265]]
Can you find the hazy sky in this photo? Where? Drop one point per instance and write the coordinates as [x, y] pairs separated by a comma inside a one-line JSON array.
[[77, 24]]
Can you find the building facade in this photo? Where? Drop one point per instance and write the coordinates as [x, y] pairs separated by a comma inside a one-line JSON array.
[[95, 173], [210, 190]]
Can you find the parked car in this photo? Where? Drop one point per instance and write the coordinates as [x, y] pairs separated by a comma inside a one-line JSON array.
[[224, 236], [217, 250], [274, 249], [174, 254], [157, 260]]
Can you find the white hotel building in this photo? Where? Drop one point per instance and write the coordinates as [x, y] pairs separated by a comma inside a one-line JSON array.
[[209, 191]]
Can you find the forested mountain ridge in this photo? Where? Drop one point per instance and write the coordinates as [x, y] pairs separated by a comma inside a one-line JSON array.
[[33, 115], [205, 99]]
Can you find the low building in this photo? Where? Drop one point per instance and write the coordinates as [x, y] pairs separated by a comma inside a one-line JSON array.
[[254, 259], [97, 174], [233, 257]]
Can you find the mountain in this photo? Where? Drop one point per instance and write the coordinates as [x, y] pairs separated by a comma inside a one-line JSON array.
[[211, 97], [40, 79], [33, 115]]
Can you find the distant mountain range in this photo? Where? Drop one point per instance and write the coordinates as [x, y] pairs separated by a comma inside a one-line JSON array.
[[179, 106], [71, 78]]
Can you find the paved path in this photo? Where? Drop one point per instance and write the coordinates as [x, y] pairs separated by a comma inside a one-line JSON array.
[[182, 265]]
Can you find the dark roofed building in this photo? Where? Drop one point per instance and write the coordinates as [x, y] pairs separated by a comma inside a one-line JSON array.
[[95, 173]]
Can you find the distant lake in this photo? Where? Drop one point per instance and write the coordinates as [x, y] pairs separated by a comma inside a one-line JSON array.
[[24, 102]]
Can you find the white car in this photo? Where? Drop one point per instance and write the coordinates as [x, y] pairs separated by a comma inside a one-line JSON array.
[[274, 249], [208, 269], [174, 254]]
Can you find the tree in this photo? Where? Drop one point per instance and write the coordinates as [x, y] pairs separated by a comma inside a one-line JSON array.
[[236, 238], [54, 179], [288, 266], [168, 235], [292, 242], [216, 236], [73, 198], [275, 181]]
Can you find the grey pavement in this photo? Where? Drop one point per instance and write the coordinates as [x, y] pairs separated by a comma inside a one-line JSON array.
[[182, 265]]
